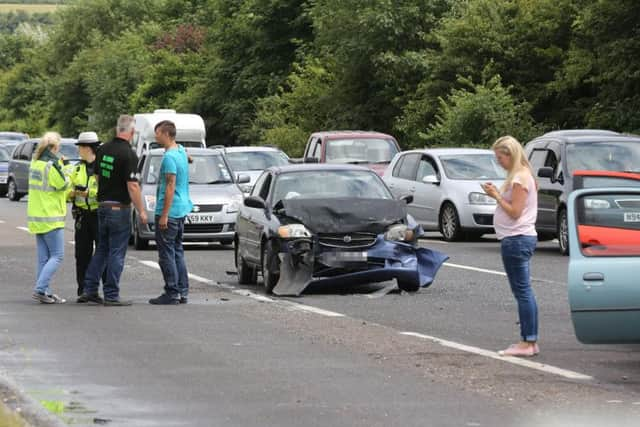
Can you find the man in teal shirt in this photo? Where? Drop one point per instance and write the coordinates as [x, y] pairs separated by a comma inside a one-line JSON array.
[[173, 204]]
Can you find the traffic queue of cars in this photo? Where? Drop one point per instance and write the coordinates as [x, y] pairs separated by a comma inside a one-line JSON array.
[[355, 210]]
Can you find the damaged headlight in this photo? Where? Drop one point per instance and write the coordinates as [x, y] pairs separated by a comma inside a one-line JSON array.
[[399, 233], [293, 231]]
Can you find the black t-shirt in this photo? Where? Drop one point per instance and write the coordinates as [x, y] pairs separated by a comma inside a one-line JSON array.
[[116, 164]]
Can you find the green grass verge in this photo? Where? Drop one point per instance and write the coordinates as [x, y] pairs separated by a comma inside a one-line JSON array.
[[29, 8], [9, 419]]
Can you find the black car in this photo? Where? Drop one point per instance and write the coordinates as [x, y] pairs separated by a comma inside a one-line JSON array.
[[327, 224], [555, 156], [4, 170]]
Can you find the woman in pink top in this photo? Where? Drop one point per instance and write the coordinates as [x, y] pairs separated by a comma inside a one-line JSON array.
[[514, 222]]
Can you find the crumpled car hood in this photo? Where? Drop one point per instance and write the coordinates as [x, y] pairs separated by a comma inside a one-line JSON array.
[[345, 215]]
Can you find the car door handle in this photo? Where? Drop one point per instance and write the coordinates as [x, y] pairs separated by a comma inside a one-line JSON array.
[[593, 277]]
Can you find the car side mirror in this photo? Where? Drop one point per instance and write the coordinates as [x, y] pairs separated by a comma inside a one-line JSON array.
[[431, 179], [407, 198], [545, 172], [255, 202], [243, 179], [311, 160]]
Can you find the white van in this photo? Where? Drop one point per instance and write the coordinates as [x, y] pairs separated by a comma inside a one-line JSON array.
[[190, 130]]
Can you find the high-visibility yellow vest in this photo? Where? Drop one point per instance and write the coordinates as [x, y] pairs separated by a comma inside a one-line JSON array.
[[47, 205], [78, 177]]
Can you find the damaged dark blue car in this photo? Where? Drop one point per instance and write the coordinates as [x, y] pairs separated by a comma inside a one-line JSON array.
[[329, 224]]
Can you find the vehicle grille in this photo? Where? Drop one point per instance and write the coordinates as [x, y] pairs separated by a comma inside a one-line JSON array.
[[628, 203], [348, 240], [208, 208], [203, 228]]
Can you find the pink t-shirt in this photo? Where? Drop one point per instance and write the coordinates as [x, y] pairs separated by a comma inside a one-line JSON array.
[[506, 226]]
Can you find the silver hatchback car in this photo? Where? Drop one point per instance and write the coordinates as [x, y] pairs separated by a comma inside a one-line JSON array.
[[214, 192], [445, 184]]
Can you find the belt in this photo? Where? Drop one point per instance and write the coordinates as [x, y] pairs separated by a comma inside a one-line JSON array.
[[114, 206]]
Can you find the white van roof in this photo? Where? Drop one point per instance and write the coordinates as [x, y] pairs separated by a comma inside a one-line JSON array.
[[189, 127]]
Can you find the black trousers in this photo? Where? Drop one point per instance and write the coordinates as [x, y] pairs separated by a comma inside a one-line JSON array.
[[86, 238]]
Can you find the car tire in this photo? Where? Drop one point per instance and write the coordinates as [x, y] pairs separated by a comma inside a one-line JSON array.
[[139, 243], [563, 232], [12, 191], [449, 223], [270, 262], [246, 274]]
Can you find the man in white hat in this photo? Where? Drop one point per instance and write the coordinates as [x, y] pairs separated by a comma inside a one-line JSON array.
[[83, 196]]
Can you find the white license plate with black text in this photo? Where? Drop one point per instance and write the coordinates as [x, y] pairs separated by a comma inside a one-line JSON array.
[[632, 217], [200, 219]]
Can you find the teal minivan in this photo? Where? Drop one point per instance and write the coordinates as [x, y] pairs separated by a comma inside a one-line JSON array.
[[604, 264]]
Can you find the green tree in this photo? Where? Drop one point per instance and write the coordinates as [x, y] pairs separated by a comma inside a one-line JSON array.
[[478, 115]]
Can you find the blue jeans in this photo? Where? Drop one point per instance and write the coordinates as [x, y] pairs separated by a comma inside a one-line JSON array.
[[50, 256], [516, 256], [114, 230], [171, 258]]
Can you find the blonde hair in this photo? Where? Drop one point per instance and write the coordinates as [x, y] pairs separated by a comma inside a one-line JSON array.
[[49, 140], [511, 147]]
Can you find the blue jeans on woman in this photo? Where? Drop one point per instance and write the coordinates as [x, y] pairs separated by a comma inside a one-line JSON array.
[[171, 258], [516, 256], [114, 230], [50, 256]]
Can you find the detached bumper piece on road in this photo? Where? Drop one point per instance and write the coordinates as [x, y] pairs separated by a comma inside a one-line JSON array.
[[305, 262]]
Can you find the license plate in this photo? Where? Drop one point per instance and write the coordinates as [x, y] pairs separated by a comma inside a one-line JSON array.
[[3, 179], [347, 256], [632, 217], [200, 219]]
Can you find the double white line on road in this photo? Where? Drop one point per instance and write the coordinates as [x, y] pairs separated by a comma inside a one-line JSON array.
[[445, 343]]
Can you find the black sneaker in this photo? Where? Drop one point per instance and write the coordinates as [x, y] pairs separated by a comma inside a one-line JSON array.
[[117, 303], [164, 299], [184, 300], [93, 298]]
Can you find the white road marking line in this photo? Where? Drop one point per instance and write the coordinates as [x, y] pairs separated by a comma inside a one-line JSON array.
[[494, 355], [194, 277], [310, 309], [1, 221], [23, 229], [481, 270], [252, 295], [439, 242], [72, 243]]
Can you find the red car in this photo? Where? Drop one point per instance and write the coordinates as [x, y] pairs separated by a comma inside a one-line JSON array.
[[372, 149], [601, 227]]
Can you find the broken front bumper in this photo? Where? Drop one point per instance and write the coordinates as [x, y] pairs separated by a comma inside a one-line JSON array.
[[304, 262]]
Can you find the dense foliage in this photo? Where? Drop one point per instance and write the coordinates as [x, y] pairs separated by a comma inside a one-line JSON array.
[[438, 72]]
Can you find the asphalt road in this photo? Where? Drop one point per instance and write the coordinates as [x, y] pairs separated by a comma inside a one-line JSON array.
[[338, 357]]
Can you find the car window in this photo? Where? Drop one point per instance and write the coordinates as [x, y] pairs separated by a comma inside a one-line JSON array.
[[264, 191], [360, 150], [256, 160], [551, 161], [330, 184], [426, 167], [204, 169], [472, 167], [409, 167], [255, 192], [609, 224], [69, 151], [17, 151], [398, 167], [610, 156], [538, 159], [317, 149], [4, 155]]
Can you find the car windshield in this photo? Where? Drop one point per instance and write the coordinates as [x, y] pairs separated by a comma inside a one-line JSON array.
[[13, 137], [360, 150], [69, 151], [610, 156], [473, 167], [4, 155], [330, 185], [256, 160], [205, 169], [192, 144]]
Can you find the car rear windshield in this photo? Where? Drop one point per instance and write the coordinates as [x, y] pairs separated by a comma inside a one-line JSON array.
[[330, 185], [192, 144], [69, 151], [610, 156], [6, 137], [360, 150], [205, 169], [472, 167], [256, 160]]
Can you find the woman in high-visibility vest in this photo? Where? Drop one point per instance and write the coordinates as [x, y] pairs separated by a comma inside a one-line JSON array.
[[46, 213], [84, 196]]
